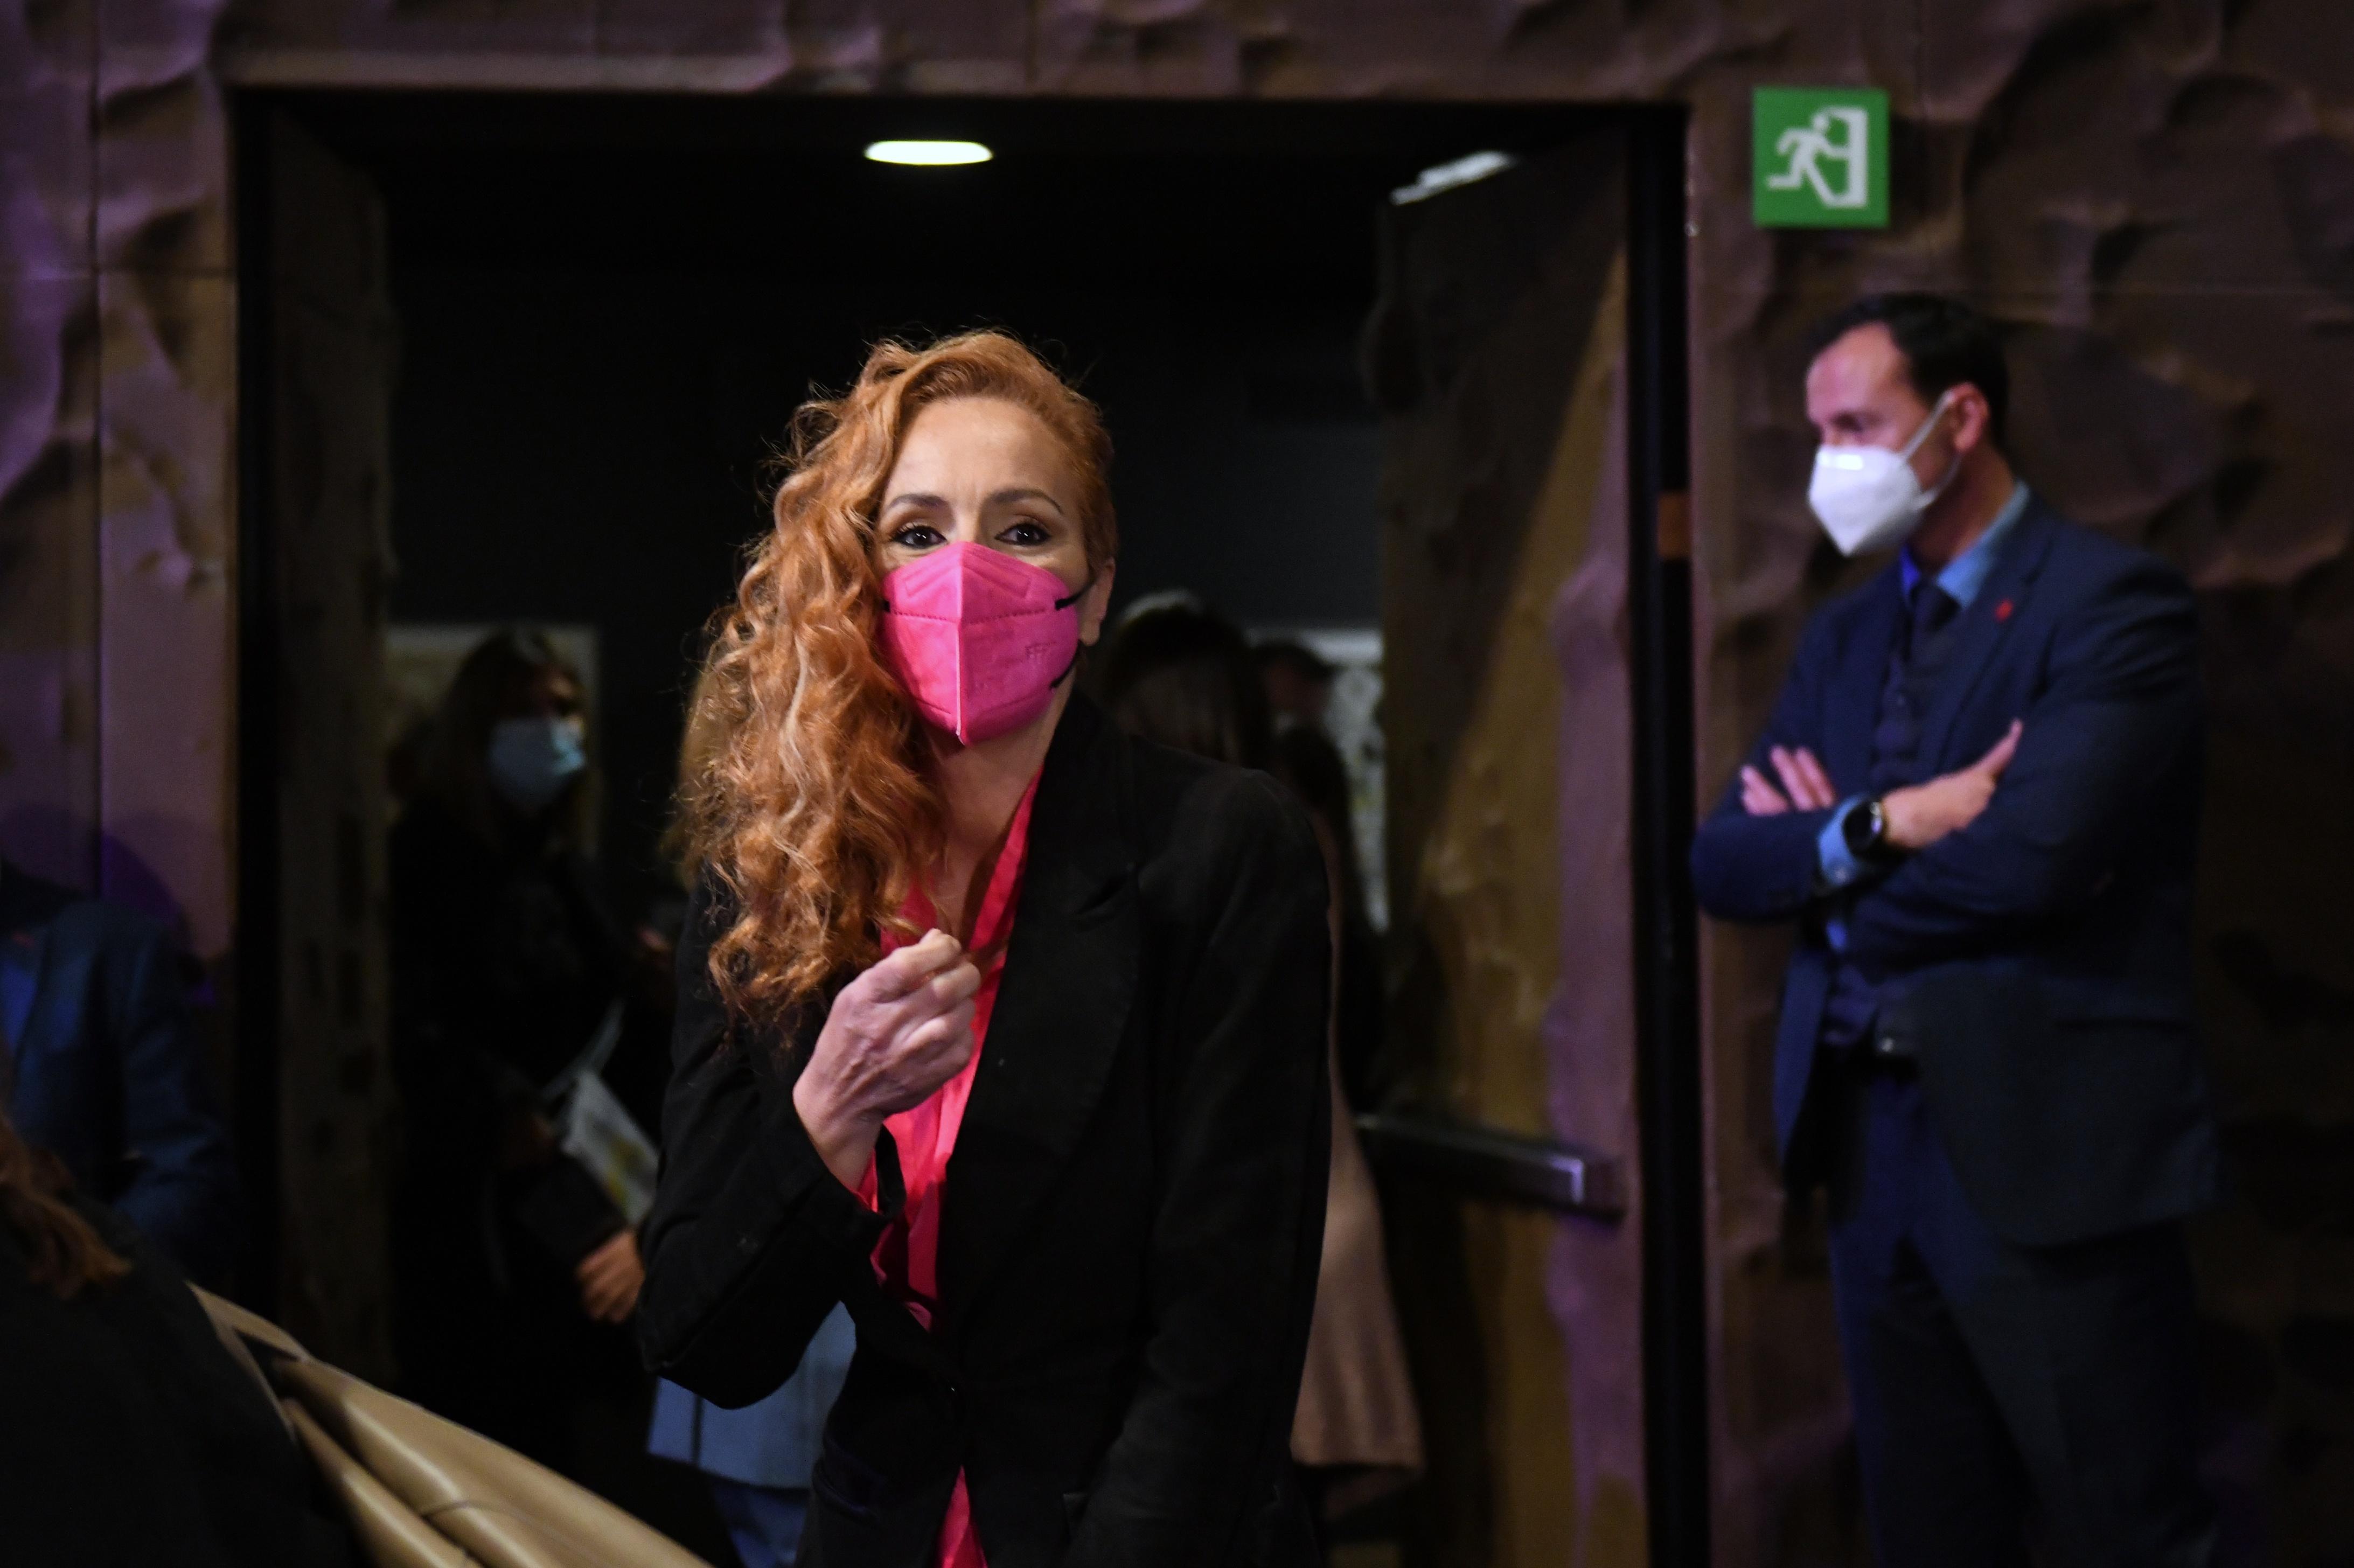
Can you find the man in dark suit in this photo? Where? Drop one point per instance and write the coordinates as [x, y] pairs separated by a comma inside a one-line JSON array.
[[99, 1067], [1978, 800]]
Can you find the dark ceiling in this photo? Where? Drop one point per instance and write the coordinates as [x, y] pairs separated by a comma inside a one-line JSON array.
[[1251, 199]]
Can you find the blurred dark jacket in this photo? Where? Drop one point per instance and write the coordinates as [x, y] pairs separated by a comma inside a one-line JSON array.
[[504, 965], [128, 1434], [103, 1068]]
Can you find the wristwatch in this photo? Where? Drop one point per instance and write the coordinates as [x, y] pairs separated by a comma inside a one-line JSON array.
[[1865, 829]]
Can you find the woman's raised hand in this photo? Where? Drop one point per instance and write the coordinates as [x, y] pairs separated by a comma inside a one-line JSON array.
[[897, 1033]]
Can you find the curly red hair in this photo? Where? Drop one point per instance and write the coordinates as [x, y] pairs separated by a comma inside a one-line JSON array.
[[815, 807]]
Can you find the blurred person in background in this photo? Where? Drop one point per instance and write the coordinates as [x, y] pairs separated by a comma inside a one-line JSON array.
[[101, 1066], [756, 1459], [1299, 681], [1180, 674], [1305, 758], [516, 999], [128, 1433]]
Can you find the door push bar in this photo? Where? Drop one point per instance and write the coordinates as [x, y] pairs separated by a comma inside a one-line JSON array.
[[1486, 1162]]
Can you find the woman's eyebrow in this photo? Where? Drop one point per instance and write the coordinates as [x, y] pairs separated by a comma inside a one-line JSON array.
[[1009, 497], [913, 498]]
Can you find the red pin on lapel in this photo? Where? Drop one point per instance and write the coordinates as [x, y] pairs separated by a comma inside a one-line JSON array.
[[2002, 611]]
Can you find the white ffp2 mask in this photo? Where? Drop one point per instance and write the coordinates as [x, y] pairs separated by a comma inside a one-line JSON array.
[[1867, 497]]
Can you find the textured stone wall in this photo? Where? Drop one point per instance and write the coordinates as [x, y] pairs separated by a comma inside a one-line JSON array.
[[2158, 194], [116, 479]]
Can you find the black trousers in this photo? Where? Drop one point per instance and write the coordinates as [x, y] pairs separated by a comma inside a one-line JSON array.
[[2005, 1394]]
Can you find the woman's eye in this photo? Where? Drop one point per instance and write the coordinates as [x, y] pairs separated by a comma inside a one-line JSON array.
[[1026, 532], [916, 536]]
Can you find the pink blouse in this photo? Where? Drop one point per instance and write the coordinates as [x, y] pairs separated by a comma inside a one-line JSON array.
[[907, 1260]]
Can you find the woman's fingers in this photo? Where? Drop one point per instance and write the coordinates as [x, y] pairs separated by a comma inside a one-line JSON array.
[[947, 1041], [960, 982], [915, 966], [947, 1034], [902, 1029], [899, 988], [911, 969], [929, 1055]]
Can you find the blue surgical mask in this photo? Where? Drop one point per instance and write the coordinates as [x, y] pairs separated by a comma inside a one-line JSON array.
[[531, 760]]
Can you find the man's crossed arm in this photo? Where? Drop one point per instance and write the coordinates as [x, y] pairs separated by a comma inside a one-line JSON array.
[[1918, 815], [2031, 828]]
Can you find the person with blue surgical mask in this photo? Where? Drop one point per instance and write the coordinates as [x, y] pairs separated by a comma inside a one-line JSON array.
[[534, 758], [528, 1039]]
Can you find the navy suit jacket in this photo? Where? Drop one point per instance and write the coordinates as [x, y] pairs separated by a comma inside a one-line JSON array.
[[2039, 960], [107, 1073]]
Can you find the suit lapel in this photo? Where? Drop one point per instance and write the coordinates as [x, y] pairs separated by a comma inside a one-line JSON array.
[[1062, 1004], [1981, 629], [1852, 695]]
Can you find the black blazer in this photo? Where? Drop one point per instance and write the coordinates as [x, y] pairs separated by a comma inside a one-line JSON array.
[[2040, 957], [1134, 1215]]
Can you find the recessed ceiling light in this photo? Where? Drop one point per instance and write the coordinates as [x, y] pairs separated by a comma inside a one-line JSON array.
[[928, 155], [1446, 177]]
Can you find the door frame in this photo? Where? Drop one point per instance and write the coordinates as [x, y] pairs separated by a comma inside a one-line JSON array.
[[1670, 1086], [1670, 1082]]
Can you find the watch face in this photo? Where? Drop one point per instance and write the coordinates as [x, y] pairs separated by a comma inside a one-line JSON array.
[[1861, 829]]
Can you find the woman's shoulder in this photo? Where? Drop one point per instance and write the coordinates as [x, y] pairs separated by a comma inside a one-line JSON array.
[[1217, 823], [705, 1025]]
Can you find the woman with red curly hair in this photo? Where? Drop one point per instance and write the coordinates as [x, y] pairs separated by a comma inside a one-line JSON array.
[[1001, 1028]]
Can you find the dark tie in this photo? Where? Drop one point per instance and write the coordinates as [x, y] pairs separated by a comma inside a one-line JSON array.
[[1932, 609], [1923, 642], [1913, 669]]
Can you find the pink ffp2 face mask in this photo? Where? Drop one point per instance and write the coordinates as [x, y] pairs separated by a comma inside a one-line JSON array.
[[979, 638]]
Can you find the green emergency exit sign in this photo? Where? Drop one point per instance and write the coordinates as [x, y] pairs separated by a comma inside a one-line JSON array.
[[1821, 157]]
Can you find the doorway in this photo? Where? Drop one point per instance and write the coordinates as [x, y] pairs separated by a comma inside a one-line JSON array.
[[520, 359]]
